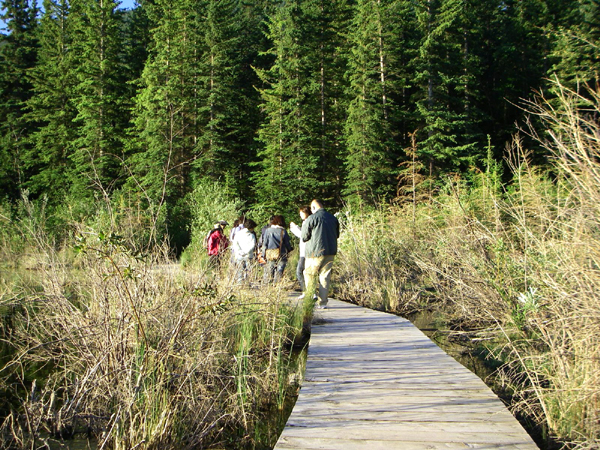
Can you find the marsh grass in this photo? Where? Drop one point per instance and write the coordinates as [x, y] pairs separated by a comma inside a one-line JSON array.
[[515, 268], [136, 351], [374, 264]]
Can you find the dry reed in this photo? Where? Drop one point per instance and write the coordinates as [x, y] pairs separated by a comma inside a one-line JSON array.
[[138, 352]]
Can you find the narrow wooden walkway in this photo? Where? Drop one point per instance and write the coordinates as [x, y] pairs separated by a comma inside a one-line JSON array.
[[374, 381]]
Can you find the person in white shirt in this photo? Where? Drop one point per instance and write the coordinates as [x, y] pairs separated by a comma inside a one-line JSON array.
[[304, 212], [244, 249]]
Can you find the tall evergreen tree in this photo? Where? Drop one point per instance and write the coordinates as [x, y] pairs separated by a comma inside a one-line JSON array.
[[403, 39], [493, 49], [323, 29], [253, 47], [368, 135], [287, 173], [98, 95], [166, 125], [51, 109], [517, 62], [133, 53], [226, 95], [18, 53], [577, 46], [446, 71]]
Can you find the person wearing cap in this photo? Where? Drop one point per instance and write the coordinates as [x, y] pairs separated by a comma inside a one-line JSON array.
[[218, 243]]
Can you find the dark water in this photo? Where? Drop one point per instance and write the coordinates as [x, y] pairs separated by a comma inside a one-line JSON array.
[[461, 348], [273, 420]]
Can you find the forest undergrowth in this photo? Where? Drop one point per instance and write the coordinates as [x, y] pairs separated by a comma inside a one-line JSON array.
[[514, 266], [103, 338]]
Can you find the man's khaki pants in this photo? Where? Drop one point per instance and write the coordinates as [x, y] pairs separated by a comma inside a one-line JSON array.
[[318, 270]]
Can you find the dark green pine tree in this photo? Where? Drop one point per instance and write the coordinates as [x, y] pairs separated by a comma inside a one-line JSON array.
[[51, 109], [446, 74], [226, 97], [467, 98], [493, 30], [287, 173], [367, 133], [577, 46], [18, 53], [134, 44], [324, 27], [254, 44], [516, 61], [98, 96], [166, 119], [404, 38]]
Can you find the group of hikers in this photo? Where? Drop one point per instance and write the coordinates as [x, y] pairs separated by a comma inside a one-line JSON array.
[[318, 234]]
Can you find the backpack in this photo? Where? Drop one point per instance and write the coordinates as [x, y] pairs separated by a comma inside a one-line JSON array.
[[207, 237]]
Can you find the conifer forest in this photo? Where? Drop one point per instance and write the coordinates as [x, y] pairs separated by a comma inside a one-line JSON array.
[[276, 101]]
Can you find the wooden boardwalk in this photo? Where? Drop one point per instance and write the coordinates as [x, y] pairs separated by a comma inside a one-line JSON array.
[[374, 381]]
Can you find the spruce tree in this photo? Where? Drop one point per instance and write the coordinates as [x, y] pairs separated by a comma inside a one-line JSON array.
[[287, 172], [367, 133], [446, 71], [51, 109], [517, 62], [166, 117], [253, 47], [227, 98], [577, 47], [18, 54], [323, 29], [133, 50], [403, 40], [97, 96]]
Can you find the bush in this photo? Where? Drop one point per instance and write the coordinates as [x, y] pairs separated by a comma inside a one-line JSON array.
[[208, 204], [140, 353]]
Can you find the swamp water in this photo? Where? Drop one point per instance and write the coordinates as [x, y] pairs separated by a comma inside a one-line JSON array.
[[464, 351]]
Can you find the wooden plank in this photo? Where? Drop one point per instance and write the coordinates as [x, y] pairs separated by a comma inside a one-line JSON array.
[[374, 444], [384, 431], [374, 381], [404, 415]]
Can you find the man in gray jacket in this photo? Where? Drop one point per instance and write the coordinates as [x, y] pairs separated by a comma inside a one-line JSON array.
[[320, 232]]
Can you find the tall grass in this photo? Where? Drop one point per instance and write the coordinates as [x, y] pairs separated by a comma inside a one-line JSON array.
[[132, 349], [374, 261], [518, 267]]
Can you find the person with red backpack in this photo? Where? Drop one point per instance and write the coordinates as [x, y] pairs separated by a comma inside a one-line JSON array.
[[217, 243]]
